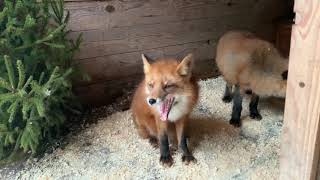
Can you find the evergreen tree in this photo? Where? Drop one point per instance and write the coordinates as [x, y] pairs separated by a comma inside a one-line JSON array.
[[35, 73]]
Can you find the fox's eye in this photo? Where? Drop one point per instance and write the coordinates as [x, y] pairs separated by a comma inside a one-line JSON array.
[[150, 85], [169, 86]]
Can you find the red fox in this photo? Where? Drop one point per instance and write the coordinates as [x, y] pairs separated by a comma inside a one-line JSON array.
[[254, 66], [165, 97]]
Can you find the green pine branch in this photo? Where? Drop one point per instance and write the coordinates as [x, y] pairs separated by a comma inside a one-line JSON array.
[[35, 83], [10, 71]]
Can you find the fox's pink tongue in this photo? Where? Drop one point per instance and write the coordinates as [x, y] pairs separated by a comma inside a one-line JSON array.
[[165, 108]]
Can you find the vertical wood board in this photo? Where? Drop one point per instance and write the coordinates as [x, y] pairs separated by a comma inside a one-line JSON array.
[[300, 138]]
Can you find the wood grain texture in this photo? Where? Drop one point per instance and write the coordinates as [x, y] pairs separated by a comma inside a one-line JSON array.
[[106, 91], [108, 67], [116, 32], [299, 147]]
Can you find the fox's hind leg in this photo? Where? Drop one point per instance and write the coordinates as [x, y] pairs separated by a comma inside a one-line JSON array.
[[145, 134], [227, 97], [154, 141], [253, 107], [236, 108]]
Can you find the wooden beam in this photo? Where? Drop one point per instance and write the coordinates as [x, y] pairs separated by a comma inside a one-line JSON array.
[[299, 149]]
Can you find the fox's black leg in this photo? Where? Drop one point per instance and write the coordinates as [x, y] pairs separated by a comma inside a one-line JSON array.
[[253, 107], [237, 108], [165, 156], [187, 156], [227, 97]]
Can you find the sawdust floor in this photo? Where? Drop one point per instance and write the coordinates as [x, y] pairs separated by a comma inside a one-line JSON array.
[[111, 148]]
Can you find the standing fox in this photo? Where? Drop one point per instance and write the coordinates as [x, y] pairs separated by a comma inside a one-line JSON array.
[[254, 66], [165, 97]]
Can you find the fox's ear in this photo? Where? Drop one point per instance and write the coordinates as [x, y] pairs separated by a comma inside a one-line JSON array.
[[146, 64], [185, 67]]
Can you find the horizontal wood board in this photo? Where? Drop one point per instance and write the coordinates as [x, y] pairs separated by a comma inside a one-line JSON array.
[[116, 32]]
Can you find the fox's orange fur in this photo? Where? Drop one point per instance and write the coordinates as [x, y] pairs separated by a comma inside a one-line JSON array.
[[251, 63], [163, 78]]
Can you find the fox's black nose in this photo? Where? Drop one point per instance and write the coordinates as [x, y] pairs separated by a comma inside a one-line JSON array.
[[152, 101]]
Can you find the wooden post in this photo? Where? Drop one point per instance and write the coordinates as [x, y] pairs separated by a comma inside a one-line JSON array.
[[299, 149]]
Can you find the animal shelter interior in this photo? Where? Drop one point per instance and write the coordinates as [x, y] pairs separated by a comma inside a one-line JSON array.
[[117, 32], [120, 39]]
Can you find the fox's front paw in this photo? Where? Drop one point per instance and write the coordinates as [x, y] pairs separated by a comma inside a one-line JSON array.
[[187, 159], [235, 122], [166, 161], [255, 115], [227, 99]]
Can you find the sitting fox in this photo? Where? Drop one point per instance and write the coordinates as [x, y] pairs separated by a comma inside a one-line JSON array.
[[252, 66], [165, 97]]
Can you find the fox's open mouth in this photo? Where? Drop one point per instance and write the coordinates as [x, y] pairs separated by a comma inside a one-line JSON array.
[[165, 108]]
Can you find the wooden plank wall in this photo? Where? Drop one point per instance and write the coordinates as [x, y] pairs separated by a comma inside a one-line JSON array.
[[300, 139], [116, 32]]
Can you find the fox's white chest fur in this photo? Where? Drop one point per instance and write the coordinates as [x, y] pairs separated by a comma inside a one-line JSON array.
[[179, 108]]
